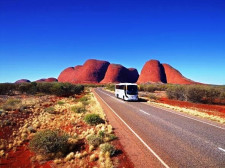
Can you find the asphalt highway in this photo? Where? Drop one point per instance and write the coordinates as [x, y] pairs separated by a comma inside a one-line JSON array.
[[175, 139]]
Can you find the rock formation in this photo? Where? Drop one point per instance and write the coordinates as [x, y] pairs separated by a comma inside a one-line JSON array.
[[173, 76], [152, 72], [47, 80], [155, 72], [93, 71], [96, 71], [117, 73], [23, 81], [51, 80]]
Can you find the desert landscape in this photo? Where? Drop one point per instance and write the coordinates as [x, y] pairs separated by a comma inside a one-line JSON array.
[[60, 123], [112, 84]]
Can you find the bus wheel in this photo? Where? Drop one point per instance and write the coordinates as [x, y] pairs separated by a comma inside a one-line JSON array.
[[123, 98], [117, 96]]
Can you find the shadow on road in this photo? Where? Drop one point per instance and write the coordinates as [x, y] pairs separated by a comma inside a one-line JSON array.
[[142, 100]]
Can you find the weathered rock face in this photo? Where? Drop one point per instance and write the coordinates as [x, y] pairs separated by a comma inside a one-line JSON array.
[[133, 75], [117, 73], [173, 76], [93, 71], [152, 72], [23, 81]]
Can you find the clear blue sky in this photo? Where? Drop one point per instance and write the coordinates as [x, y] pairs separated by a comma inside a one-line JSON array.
[[40, 38]]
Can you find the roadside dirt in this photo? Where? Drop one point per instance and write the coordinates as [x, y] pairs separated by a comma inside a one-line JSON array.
[[216, 110], [14, 124]]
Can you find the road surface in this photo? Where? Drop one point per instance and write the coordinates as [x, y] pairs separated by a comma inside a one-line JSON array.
[[175, 139]]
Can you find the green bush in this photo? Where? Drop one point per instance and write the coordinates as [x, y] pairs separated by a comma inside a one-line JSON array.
[[66, 89], [106, 147], [29, 88], [49, 141], [8, 88], [93, 119], [78, 109], [177, 92], [94, 140]]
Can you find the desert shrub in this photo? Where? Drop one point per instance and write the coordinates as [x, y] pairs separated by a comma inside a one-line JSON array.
[[153, 87], [50, 110], [7, 88], [152, 96], [44, 87], [195, 93], [177, 92], [66, 89], [222, 95], [93, 119], [107, 147], [28, 88], [212, 94], [94, 140], [12, 104], [110, 87], [49, 142], [60, 103], [101, 134], [111, 137], [78, 109]]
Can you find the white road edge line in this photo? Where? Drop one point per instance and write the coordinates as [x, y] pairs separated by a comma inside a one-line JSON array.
[[157, 156], [186, 116], [221, 149]]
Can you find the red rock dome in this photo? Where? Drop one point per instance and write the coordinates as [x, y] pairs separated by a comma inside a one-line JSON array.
[[70, 74], [23, 81], [51, 80], [173, 76], [132, 75], [152, 72], [93, 71]]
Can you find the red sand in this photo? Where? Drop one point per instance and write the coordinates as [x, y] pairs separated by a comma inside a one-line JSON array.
[[217, 110]]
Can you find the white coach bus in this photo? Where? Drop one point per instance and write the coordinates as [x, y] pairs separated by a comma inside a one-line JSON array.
[[126, 91]]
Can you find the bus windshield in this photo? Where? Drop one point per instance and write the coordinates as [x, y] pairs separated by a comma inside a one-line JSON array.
[[132, 90]]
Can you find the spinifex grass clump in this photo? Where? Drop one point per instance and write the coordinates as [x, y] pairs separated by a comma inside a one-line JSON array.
[[12, 104], [50, 110], [107, 147], [50, 143], [78, 109], [93, 119], [94, 140]]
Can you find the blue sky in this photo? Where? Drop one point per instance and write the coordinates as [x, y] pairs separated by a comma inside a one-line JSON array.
[[40, 38]]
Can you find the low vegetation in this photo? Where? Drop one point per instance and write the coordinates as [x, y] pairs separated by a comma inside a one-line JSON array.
[[107, 147], [207, 94], [58, 89], [61, 131], [93, 119], [50, 143]]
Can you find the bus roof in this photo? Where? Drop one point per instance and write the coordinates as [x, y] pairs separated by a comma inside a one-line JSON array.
[[126, 84]]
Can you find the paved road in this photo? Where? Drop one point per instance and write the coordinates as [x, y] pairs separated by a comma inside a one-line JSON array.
[[175, 139]]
